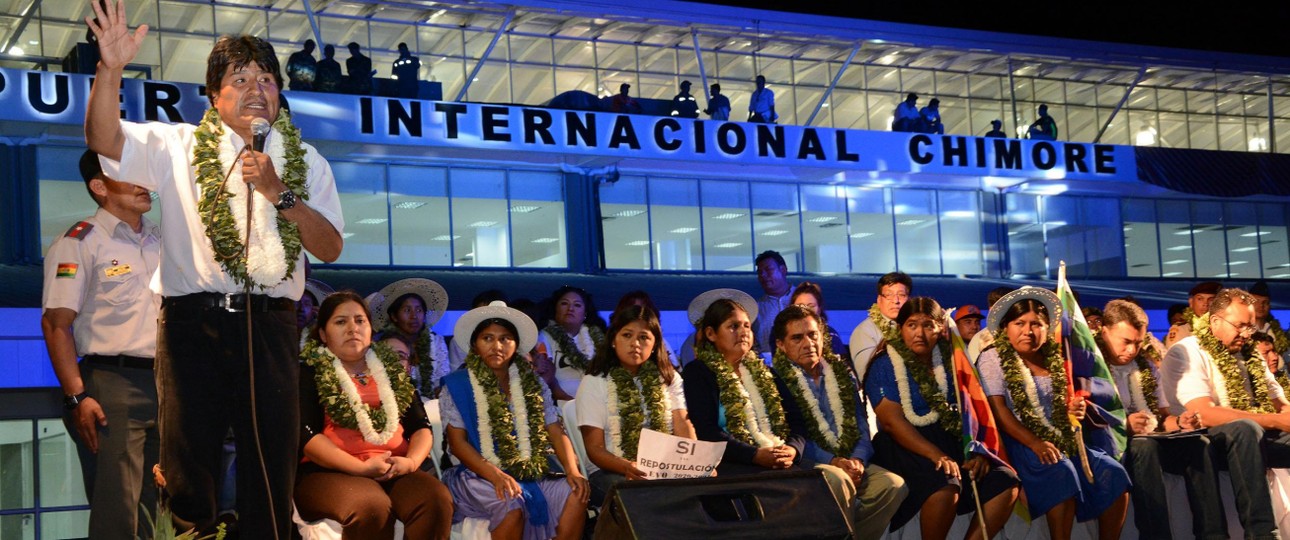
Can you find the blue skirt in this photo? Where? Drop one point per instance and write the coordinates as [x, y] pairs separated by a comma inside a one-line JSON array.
[[1047, 486], [475, 497]]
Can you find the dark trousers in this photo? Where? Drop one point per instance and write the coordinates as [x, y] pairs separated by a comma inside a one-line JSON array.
[[1147, 459], [366, 509], [203, 379], [118, 479], [1240, 447]]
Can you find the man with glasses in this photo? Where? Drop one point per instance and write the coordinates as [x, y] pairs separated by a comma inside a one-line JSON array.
[[893, 291], [1247, 417]]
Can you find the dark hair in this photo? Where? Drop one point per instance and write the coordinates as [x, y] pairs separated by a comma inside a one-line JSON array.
[[329, 306], [397, 304], [921, 305], [630, 299], [1227, 297], [487, 297], [588, 305], [1022, 307], [813, 289], [484, 324], [934, 102], [995, 294], [1118, 311], [90, 169], [717, 313], [239, 51], [771, 254], [794, 312], [607, 358], [894, 278], [1091, 311], [1262, 337], [1175, 310], [329, 51]]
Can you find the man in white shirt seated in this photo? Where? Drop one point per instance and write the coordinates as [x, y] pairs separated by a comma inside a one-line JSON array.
[[1214, 377]]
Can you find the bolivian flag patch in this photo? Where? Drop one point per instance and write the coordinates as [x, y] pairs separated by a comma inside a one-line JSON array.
[[66, 270]]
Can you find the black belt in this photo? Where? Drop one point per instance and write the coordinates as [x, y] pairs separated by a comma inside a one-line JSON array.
[[230, 302], [120, 360]]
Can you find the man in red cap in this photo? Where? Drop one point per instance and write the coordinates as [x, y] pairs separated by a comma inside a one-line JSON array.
[[1197, 302], [968, 319]]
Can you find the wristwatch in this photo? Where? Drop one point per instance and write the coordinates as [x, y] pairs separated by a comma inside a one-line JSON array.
[[286, 200], [71, 402]]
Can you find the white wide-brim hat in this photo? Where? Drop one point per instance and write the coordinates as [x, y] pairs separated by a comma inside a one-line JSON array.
[[1046, 297], [431, 293], [700, 304], [318, 289], [496, 310]]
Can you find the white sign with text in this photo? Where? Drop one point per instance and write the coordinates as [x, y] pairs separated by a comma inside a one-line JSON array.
[[663, 456]]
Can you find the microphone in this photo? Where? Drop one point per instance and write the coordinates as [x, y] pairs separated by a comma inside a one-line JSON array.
[[259, 132]]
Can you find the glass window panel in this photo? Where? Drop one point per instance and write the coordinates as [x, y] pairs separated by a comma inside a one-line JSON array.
[[812, 72], [1173, 130], [824, 233], [186, 58], [663, 87], [1023, 89], [1078, 93], [663, 60], [340, 32], [775, 221], [71, 524], [1142, 97], [871, 232], [1200, 102], [675, 224], [1175, 238], [953, 117], [60, 469], [1256, 130], [853, 77], [448, 72], [951, 85], [625, 222], [961, 232], [984, 111], [492, 84], [882, 78], [1064, 235], [1231, 134], [847, 108], [1049, 91], [364, 197], [532, 85], [986, 86], [1117, 132], [1171, 100], [530, 49], [293, 29], [1204, 131], [567, 79], [795, 105], [1109, 95], [1283, 136], [616, 56], [194, 18], [1207, 237], [1144, 128], [537, 220], [386, 38], [420, 220], [1099, 220], [1242, 235], [778, 71], [882, 108], [1025, 234], [918, 240], [22, 525], [477, 44], [574, 53], [1230, 103], [441, 41], [17, 467], [1273, 241], [1256, 105], [480, 231], [1081, 124], [727, 230], [1141, 247], [918, 81], [735, 66]]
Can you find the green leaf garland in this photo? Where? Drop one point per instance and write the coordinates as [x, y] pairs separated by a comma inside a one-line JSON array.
[[503, 422], [948, 413], [849, 435], [332, 398], [1061, 433], [1237, 398], [728, 385], [632, 402], [569, 350]]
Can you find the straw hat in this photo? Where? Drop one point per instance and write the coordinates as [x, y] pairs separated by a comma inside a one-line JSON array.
[[1046, 297], [496, 310], [432, 295], [318, 289], [700, 304]]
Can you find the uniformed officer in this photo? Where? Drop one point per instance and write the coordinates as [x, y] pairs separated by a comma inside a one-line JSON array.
[[97, 305]]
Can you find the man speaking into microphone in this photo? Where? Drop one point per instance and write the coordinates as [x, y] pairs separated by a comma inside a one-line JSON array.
[[231, 271]]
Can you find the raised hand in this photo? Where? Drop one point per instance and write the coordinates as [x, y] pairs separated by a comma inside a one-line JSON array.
[[117, 44]]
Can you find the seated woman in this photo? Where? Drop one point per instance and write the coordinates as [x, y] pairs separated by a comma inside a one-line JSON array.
[[1025, 372], [641, 298], [364, 433], [572, 337], [502, 426], [629, 385], [730, 392], [407, 310], [921, 436]]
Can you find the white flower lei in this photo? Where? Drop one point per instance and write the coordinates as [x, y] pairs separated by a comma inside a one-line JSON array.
[[758, 421], [902, 385], [615, 427], [584, 342], [834, 395], [266, 261], [1032, 392], [518, 411], [389, 405]]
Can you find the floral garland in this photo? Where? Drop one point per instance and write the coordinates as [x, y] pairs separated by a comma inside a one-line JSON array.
[[754, 417], [275, 245], [841, 442], [574, 352], [1231, 393], [1280, 341], [1142, 383], [627, 405], [430, 367], [932, 384], [1025, 396], [885, 325], [524, 454], [339, 397]]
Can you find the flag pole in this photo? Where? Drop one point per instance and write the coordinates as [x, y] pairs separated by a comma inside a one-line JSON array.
[[1070, 385]]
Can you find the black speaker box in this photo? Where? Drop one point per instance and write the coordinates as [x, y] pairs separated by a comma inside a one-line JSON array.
[[773, 505]]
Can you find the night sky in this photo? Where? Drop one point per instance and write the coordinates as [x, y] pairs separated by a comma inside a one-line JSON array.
[[1249, 28]]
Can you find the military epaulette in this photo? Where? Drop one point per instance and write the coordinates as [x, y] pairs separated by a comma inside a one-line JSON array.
[[80, 230]]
